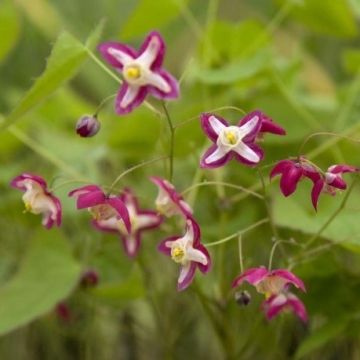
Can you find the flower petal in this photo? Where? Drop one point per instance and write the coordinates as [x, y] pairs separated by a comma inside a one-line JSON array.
[[253, 276], [316, 191], [131, 243], [90, 199], [163, 85], [129, 97], [204, 268], [84, 190], [121, 209], [214, 157], [164, 245], [248, 153], [290, 179], [269, 126], [116, 54], [151, 53], [250, 127], [281, 167], [341, 169], [289, 277], [212, 125], [18, 181], [298, 307], [186, 275]]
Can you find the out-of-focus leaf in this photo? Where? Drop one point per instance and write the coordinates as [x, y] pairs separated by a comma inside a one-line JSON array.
[[150, 15], [47, 275], [66, 57], [351, 60], [322, 336], [9, 28]]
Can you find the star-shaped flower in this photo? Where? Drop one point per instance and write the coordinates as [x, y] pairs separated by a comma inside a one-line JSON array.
[[231, 141], [142, 72], [38, 199], [141, 220], [187, 251]]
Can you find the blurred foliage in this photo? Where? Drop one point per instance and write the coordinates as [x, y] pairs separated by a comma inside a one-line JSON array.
[[296, 60]]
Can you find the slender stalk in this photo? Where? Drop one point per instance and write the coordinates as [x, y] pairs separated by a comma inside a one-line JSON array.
[[98, 109], [66, 183], [241, 232], [172, 140], [274, 247], [241, 262]]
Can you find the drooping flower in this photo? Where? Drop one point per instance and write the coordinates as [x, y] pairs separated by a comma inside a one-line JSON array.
[[231, 141], [140, 219], [142, 72], [168, 201], [87, 126], [292, 171], [331, 182], [269, 282], [284, 301], [100, 205], [38, 199], [187, 251]]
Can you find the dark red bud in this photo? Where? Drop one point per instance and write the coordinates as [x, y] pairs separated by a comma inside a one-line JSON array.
[[243, 298], [90, 278], [63, 312], [87, 126]]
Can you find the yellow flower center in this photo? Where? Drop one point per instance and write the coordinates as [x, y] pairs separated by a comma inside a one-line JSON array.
[[231, 137], [177, 254], [132, 72], [102, 212], [27, 207]]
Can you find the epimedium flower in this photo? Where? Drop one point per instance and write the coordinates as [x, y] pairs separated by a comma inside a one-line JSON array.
[[141, 70], [140, 219], [231, 141], [284, 301], [187, 251], [169, 202], [269, 282], [331, 182], [87, 126], [100, 205], [38, 199]]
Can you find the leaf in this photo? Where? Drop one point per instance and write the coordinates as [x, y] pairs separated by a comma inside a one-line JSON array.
[[46, 276], [66, 57], [321, 336], [9, 28], [351, 60]]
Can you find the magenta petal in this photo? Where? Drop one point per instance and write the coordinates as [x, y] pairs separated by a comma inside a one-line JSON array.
[[188, 278], [58, 210], [173, 84], [17, 181], [298, 307], [204, 268], [158, 60], [289, 277], [250, 137], [206, 125], [162, 246], [289, 180], [215, 164], [281, 167], [136, 101], [84, 190], [129, 250], [99, 226], [122, 210], [269, 126], [341, 169], [255, 148], [338, 183], [274, 305], [253, 276], [112, 60], [316, 191], [90, 199]]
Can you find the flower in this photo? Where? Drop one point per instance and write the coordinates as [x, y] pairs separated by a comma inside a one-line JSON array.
[[231, 141], [269, 282], [330, 182], [101, 206], [142, 72], [140, 220], [87, 126], [188, 252], [292, 171], [168, 201], [282, 302], [38, 199]]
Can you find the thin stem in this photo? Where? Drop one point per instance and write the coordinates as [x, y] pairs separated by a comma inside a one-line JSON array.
[[274, 247], [103, 103], [172, 140], [135, 167], [221, 183], [66, 183], [240, 254], [241, 232]]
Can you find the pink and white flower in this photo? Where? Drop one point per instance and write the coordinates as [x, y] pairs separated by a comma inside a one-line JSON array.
[[187, 251], [142, 72], [285, 301], [168, 201], [140, 219], [231, 141], [38, 199], [101, 206], [331, 182], [269, 282]]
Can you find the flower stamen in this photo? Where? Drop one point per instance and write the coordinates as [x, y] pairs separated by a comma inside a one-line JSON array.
[[132, 72], [177, 254]]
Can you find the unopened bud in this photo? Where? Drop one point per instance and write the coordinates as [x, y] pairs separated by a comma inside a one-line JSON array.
[[88, 126], [243, 298], [89, 278]]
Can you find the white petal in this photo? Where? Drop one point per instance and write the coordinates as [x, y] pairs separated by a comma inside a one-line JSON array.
[[246, 152], [121, 56], [130, 95], [196, 255], [219, 153], [216, 124], [248, 127], [145, 220], [157, 81], [110, 224], [149, 55], [130, 243], [184, 270]]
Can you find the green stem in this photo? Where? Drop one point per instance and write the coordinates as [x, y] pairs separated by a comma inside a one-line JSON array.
[[172, 140], [241, 262]]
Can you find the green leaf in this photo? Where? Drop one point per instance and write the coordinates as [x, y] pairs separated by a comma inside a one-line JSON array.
[[321, 336], [67, 55], [351, 60], [9, 28], [46, 276]]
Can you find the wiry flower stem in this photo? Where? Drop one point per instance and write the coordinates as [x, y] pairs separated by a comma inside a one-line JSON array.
[[172, 141], [276, 244], [241, 262]]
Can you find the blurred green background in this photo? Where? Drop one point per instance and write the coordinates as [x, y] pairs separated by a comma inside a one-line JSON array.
[[296, 60]]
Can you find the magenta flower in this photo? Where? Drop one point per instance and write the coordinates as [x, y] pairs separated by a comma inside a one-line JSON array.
[[101, 206], [168, 201], [141, 220], [88, 126], [38, 199], [292, 171], [284, 302], [188, 252], [142, 72], [269, 282], [331, 182], [231, 141]]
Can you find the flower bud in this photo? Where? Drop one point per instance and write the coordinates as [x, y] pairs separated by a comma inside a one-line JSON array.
[[88, 126], [242, 297], [89, 278]]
